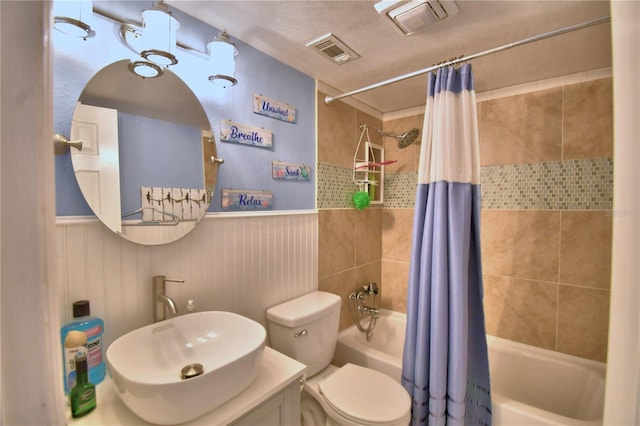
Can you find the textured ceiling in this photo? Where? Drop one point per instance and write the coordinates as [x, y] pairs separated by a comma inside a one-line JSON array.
[[282, 29]]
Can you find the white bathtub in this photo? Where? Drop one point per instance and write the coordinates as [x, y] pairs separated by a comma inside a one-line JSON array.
[[529, 385]]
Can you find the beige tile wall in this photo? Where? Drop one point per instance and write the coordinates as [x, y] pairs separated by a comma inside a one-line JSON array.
[[521, 129], [349, 240], [548, 285], [546, 272]]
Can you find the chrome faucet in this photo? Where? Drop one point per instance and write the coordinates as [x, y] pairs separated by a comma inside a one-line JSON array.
[[368, 290], [162, 302], [357, 307]]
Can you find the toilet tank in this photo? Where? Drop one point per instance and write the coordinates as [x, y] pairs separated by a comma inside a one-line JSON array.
[[306, 329]]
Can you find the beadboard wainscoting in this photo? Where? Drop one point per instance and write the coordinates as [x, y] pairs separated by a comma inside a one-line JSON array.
[[233, 262]]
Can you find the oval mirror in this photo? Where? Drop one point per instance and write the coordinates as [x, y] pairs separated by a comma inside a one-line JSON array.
[[145, 166]]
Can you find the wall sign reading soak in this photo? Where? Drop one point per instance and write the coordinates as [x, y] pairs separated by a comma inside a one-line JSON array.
[[241, 133], [290, 171], [237, 199], [274, 109]]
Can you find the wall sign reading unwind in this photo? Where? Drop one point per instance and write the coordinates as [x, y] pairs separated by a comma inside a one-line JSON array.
[[241, 133], [238, 200], [274, 109]]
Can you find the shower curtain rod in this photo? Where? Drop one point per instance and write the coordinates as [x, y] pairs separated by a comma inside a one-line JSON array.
[[329, 99]]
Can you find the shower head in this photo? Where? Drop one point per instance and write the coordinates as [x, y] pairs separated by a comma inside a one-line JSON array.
[[406, 138]]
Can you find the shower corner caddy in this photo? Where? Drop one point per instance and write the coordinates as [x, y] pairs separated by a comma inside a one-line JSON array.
[[368, 172]]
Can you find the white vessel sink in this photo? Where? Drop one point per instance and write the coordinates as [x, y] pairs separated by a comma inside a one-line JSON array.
[[176, 370]]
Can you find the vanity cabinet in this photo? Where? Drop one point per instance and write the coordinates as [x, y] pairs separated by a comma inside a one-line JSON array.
[[273, 398], [282, 409]]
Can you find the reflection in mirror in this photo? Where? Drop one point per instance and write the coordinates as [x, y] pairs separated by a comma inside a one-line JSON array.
[[144, 166]]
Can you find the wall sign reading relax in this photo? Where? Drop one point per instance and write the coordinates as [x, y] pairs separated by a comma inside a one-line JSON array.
[[274, 109], [237, 199], [241, 133]]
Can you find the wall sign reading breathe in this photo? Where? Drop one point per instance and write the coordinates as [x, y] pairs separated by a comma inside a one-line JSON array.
[[231, 131]]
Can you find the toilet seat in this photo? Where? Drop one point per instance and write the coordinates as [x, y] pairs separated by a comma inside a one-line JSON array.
[[366, 396]]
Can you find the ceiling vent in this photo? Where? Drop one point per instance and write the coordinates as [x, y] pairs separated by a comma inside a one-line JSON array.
[[333, 49], [411, 16]]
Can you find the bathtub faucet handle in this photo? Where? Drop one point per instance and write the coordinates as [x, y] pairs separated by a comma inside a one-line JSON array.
[[372, 312], [371, 287]]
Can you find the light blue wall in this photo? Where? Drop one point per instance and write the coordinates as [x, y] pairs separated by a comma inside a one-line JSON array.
[[170, 167], [245, 167]]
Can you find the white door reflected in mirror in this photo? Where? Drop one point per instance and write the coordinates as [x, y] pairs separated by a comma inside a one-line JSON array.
[[97, 165]]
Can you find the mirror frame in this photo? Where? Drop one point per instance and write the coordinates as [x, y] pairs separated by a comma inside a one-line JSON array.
[[158, 220]]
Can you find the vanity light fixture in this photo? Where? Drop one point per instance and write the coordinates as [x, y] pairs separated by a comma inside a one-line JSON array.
[[154, 43], [222, 60], [145, 69], [71, 18], [159, 29]]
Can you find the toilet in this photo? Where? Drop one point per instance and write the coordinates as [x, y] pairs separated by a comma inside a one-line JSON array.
[[306, 329]]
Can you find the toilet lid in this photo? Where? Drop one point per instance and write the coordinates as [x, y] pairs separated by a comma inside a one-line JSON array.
[[365, 395]]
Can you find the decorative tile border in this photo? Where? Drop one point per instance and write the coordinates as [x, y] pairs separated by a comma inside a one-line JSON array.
[[400, 189], [335, 187], [554, 185]]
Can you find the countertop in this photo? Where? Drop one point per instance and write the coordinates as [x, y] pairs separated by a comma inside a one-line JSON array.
[[277, 371]]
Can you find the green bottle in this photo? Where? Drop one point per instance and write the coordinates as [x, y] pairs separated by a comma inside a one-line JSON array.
[[83, 394]]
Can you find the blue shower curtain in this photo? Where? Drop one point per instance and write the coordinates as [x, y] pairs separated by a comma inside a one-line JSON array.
[[445, 364]]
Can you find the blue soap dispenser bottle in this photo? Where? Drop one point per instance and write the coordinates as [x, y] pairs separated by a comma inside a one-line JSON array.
[[93, 327]]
